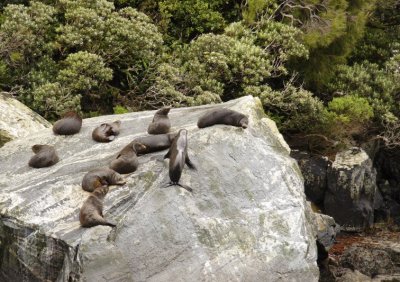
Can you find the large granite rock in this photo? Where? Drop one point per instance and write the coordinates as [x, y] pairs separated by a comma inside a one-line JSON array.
[[350, 196], [17, 120], [247, 218]]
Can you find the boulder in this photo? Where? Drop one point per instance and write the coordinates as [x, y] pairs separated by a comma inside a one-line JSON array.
[[314, 170], [327, 230], [17, 120], [369, 260], [247, 218], [350, 196]]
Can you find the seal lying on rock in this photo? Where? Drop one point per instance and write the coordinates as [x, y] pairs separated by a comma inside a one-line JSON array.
[[223, 116], [126, 161], [161, 123], [91, 213], [106, 132], [45, 155], [70, 124], [154, 143], [99, 177], [178, 156]]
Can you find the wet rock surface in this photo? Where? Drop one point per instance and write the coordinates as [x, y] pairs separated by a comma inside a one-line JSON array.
[[17, 120], [247, 218]]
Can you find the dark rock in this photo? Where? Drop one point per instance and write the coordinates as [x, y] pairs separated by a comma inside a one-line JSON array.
[[314, 171], [350, 196], [368, 260]]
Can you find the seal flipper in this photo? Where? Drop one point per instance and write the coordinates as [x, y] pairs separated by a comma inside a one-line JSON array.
[[167, 154], [185, 187], [189, 163], [178, 184]]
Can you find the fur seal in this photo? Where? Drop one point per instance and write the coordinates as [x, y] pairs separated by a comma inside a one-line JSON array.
[[154, 143], [223, 116], [161, 123], [99, 177], [70, 124], [106, 132], [91, 213], [45, 155], [126, 160], [178, 157]]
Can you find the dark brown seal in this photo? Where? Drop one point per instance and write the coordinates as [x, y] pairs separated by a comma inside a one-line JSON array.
[[99, 177], [106, 132], [91, 213], [154, 143], [126, 160], [70, 124], [161, 123], [223, 116], [178, 157], [45, 155]]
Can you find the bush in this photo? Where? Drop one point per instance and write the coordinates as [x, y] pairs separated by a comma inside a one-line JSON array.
[[378, 86], [74, 48], [293, 109], [346, 117]]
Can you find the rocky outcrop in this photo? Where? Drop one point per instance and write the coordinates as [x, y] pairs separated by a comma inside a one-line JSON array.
[[247, 218], [350, 196], [17, 120]]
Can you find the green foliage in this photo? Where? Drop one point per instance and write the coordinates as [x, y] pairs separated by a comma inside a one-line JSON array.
[[294, 109], [25, 37], [194, 17], [331, 39], [95, 57], [259, 8], [182, 20], [120, 110], [83, 71], [216, 68], [345, 117], [381, 36], [74, 48], [52, 100], [378, 86]]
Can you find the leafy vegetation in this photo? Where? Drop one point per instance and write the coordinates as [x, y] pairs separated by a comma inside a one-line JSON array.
[[317, 66]]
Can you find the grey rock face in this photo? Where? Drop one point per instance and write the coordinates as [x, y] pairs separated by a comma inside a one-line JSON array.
[[17, 120], [327, 230], [314, 170], [351, 190], [246, 220]]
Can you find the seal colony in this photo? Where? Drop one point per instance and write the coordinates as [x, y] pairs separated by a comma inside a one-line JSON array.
[[98, 180]]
